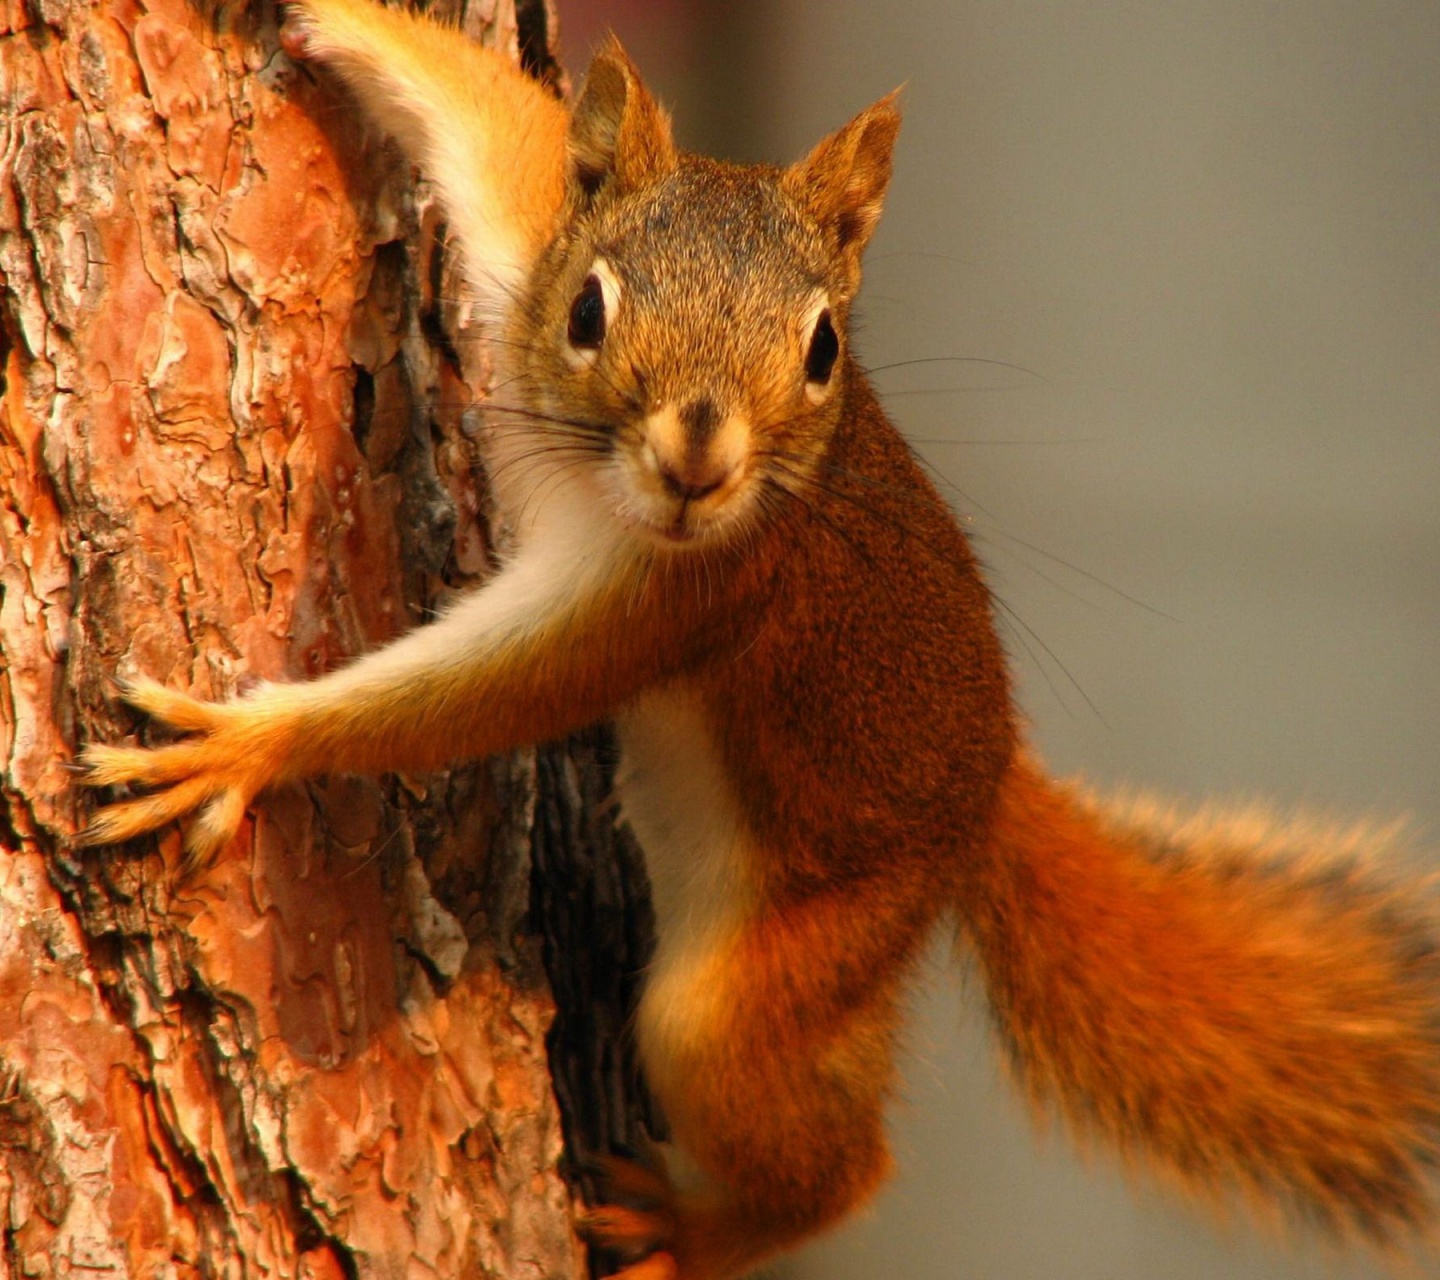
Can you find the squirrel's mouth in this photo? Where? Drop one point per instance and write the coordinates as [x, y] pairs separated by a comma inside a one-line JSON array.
[[680, 524], [683, 530], [674, 508]]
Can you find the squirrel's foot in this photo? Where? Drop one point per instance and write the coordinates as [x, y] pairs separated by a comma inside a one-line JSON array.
[[658, 1266], [641, 1229], [234, 750]]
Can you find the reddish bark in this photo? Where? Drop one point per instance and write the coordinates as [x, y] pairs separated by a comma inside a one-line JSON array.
[[232, 446]]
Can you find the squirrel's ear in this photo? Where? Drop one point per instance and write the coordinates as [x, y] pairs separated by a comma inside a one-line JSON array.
[[843, 180], [617, 130]]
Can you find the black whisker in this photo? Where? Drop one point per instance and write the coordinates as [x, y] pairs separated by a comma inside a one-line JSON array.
[[966, 442], [1015, 620], [871, 370], [1084, 573], [596, 430]]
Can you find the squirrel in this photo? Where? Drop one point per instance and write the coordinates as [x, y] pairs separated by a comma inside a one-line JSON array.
[[723, 544]]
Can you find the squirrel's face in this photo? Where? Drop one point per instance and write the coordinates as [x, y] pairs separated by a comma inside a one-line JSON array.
[[691, 336], [681, 350]]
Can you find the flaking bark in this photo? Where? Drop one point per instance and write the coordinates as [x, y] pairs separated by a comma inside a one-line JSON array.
[[234, 444]]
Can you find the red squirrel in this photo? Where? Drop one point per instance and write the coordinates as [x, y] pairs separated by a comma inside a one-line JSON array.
[[721, 542]]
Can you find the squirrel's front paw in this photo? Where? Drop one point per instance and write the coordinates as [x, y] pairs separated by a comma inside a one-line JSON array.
[[233, 752]]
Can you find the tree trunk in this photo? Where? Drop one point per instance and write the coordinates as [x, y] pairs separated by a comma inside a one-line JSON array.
[[235, 443]]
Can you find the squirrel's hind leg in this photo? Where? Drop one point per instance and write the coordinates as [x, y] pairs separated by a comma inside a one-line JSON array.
[[775, 1090], [709, 1232]]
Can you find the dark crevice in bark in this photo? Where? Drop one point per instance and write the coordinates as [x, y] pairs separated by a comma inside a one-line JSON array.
[[591, 905], [432, 318], [532, 23]]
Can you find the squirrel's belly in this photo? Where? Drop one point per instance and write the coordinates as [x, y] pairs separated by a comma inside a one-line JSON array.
[[674, 793]]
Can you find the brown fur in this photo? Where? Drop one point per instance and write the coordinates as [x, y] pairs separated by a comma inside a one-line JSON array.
[[1268, 1021], [1230, 1015]]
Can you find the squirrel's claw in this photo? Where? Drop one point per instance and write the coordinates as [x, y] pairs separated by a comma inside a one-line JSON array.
[[627, 1231], [214, 826], [214, 773], [658, 1266], [645, 1232], [636, 1181], [170, 706], [103, 765], [131, 818]]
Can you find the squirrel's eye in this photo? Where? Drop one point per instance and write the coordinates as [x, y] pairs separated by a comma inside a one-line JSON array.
[[587, 315], [824, 350]]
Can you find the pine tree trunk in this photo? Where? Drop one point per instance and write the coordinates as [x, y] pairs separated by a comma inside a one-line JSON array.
[[235, 444]]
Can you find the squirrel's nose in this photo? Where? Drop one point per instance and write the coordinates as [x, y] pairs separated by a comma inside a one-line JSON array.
[[692, 479], [697, 450]]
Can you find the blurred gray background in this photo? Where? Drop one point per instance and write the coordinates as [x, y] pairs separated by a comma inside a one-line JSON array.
[[1206, 236]]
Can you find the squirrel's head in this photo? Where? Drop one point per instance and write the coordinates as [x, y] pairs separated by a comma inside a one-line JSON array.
[[686, 331]]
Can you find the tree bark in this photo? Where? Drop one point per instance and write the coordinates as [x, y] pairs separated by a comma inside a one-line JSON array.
[[236, 442]]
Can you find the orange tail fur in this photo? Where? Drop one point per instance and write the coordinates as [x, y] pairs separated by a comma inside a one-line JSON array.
[[1223, 1006]]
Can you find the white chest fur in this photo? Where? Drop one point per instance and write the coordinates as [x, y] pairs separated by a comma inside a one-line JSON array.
[[674, 792]]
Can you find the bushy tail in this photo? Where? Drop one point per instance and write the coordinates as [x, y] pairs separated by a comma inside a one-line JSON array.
[[1219, 1003]]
